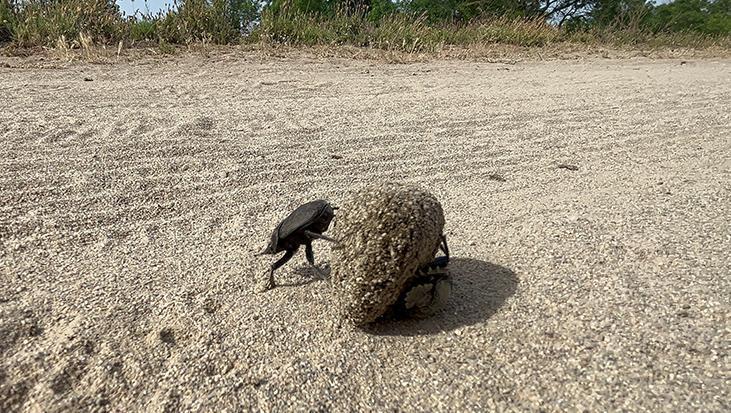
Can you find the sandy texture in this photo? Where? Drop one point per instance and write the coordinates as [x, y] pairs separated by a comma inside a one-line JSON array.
[[131, 205]]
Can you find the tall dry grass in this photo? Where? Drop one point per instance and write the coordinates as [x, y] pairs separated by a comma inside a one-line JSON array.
[[33, 23], [75, 24], [400, 32]]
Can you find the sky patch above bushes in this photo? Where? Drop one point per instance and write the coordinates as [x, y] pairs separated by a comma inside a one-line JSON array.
[[129, 7]]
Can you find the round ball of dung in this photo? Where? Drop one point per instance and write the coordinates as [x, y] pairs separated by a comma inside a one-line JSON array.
[[386, 233]]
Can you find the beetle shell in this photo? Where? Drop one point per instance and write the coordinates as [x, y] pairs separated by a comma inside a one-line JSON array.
[[313, 216]]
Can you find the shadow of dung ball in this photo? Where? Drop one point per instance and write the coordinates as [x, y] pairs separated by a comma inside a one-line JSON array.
[[386, 233]]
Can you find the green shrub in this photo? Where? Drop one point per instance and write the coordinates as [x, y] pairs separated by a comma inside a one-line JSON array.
[[7, 20], [43, 22], [143, 30], [415, 26], [400, 32]]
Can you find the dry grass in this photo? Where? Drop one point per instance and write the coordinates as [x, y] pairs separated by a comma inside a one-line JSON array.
[[82, 25], [400, 32]]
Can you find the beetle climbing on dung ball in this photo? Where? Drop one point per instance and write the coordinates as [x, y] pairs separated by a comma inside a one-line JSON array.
[[384, 256]]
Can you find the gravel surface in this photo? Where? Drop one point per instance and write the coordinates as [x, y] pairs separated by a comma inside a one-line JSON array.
[[586, 203]]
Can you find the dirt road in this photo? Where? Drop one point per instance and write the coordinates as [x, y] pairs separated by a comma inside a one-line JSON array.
[[132, 197]]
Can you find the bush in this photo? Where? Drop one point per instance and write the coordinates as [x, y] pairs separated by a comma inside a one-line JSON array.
[[6, 20], [220, 21], [143, 30], [400, 32], [414, 26], [702, 16], [44, 22]]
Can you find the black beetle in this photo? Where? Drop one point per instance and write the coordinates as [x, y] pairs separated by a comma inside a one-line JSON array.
[[429, 290], [301, 227]]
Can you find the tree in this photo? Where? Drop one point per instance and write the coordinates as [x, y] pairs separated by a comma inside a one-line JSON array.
[[320, 6], [464, 9], [6, 20], [380, 9], [704, 16], [620, 14]]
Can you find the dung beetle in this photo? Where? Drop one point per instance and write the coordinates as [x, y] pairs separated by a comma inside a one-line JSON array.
[[301, 227], [429, 290]]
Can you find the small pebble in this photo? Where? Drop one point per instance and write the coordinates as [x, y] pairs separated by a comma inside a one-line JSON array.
[[568, 166]]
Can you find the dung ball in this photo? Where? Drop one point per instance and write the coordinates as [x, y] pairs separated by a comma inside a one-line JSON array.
[[387, 233]]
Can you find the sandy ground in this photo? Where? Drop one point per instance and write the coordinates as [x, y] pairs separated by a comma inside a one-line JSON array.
[[131, 205]]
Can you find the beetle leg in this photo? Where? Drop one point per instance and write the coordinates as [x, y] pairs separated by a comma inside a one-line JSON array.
[[440, 262], [443, 246], [310, 254], [311, 259], [269, 284], [314, 235], [286, 257]]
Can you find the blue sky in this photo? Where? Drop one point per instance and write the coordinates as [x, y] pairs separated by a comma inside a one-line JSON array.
[[129, 6]]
